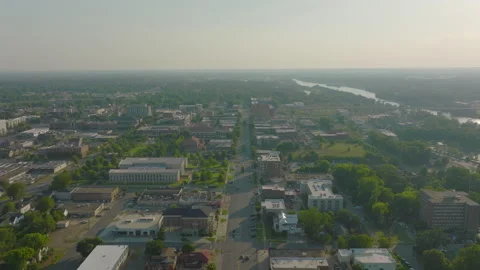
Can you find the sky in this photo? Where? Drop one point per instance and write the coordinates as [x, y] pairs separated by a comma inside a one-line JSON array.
[[59, 35]]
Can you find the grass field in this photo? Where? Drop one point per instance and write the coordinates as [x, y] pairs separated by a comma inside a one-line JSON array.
[[137, 149], [210, 182], [339, 149]]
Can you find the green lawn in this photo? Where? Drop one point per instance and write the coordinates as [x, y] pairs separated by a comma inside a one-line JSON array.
[[137, 149], [210, 182], [259, 231], [339, 149]]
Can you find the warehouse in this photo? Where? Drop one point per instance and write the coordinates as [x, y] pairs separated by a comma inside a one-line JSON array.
[[100, 194], [106, 257]]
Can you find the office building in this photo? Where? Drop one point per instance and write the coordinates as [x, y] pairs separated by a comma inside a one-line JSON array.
[[192, 221], [368, 258], [139, 110], [272, 192], [273, 206], [103, 194], [269, 166], [149, 170], [321, 196], [449, 209], [138, 225], [106, 257]]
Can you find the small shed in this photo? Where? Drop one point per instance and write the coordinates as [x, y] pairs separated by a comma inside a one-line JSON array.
[[63, 224]]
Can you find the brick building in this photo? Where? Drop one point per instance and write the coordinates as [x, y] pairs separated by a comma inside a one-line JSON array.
[[449, 209], [94, 194], [189, 220]]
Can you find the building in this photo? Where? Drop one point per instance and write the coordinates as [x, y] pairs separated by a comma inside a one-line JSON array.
[[149, 170], [167, 260], [106, 257], [193, 260], [272, 192], [192, 145], [220, 145], [193, 221], [286, 133], [33, 133], [286, 223], [191, 108], [297, 263], [47, 168], [203, 131], [63, 224], [267, 140], [23, 207], [81, 209], [74, 147], [368, 258], [273, 206], [101, 194], [11, 172], [269, 166], [262, 111], [139, 110], [138, 225], [449, 209], [3, 127], [156, 131], [321, 196]]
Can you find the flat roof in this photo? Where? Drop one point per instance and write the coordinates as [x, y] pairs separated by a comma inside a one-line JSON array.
[[138, 221], [296, 262], [143, 170], [273, 187], [138, 161], [322, 189], [94, 190], [269, 158], [79, 207], [103, 257], [273, 204], [448, 197]]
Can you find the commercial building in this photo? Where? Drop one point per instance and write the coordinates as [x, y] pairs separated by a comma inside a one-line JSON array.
[[139, 110], [33, 133], [149, 170], [156, 131], [286, 133], [81, 209], [192, 221], [193, 145], [269, 166], [11, 172], [138, 225], [449, 209], [306, 263], [48, 167], [220, 145], [203, 131], [74, 147], [321, 196], [267, 140], [273, 206], [106, 257], [286, 223], [262, 111], [102, 194], [272, 192], [368, 258], [191, 108]]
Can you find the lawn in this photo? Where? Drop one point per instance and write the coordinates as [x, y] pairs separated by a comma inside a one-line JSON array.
[[137, 149], [339, 149], [260, 231], [210, 182]]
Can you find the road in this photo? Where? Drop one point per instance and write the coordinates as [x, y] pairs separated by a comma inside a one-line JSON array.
[[241, 193], [72, 259]]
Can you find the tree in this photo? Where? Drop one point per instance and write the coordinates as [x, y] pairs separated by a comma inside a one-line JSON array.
[[430, 239], [45, 204], [385, 241], [211, 266], [161, 234], [467, 258], [314, 221], [381, 213], [323, 166], [61, 181], [8, 239], [360, 241], [434, 259], [8, 207], [34, 241], [85, 246], [18, 258], [187, 248], [154, 247], [342, 242], [16, 190], [405, 205], [357, 267], [391, 177]]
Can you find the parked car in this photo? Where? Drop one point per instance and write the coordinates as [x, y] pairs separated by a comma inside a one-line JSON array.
[[84, 221]]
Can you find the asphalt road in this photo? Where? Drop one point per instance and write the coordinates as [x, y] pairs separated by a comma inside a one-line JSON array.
[[240, 209], [72, 259]]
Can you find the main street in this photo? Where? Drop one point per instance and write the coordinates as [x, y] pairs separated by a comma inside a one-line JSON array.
[[239, 241]]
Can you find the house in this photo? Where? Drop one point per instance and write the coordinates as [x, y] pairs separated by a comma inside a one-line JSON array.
[[192, 145], [193, 260], [167, 260], [286, 223], [15, 218], [23, 207]]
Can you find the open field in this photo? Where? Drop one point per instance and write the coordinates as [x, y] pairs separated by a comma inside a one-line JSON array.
[[339, 149]]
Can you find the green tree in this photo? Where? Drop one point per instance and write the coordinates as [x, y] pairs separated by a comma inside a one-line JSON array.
[[381, 213], [342, 242], [154, 247], [34, 241], [467, 258], [314, 222], [45, 204], [430, 239], [61, 181], [8, 239], [360, 241], [17, 258], [161, 234], [323, 166], [16, 190], [347, 218], [391, 177], [385, 241], [187, 248], [86, 245], [8, 207], [434, 259], [211, 266], [57, 215], [357, 267], [405, 205]]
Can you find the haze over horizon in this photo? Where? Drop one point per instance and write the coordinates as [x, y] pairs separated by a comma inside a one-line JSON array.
[[54, 35]]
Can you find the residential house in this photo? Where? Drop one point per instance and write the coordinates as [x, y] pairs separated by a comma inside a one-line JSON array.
[[193, 260]]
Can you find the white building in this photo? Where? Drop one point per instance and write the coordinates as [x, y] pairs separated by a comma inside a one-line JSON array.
[[273, 206], [106, 257], [300, 263], [163, 162], [138, 225], [286, 223], [139, 110], [321, 196], [368, 258], [33, 133]]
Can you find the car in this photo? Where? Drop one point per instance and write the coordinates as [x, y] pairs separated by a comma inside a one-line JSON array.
[[99, 215], [84, 221]]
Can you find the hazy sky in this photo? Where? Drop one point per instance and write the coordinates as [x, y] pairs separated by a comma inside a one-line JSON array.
[[243, 34]]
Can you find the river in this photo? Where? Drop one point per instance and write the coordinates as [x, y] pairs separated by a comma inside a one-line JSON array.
[[371, 95]]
